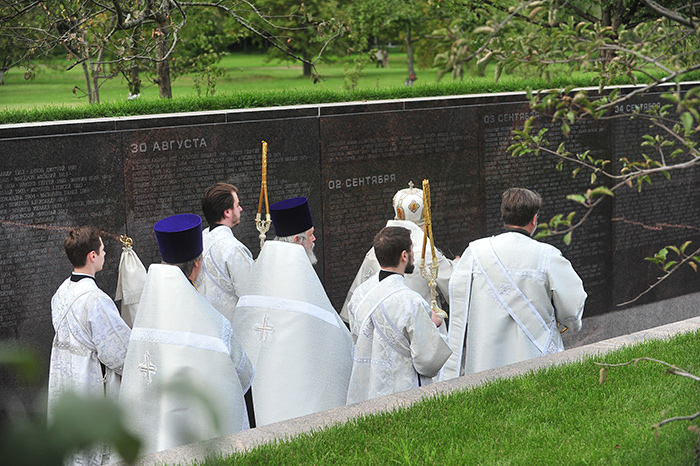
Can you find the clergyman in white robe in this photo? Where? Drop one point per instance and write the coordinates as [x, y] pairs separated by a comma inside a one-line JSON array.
[[301, 350], [185, 374], [90, 338], [397, 345], [226, 263], [415, 281], [507, 294]]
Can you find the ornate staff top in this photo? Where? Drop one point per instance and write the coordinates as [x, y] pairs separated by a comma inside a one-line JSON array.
[[263, 225], [126, 241], [432, 274]]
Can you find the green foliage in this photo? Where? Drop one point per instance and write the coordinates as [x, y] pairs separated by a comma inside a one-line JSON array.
[[667, 264], [307, 29], [77, 422], [205, 80], [354, 73], [22, 361]]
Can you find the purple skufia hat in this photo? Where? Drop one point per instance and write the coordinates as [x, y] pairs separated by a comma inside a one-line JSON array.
[[291, 216], [179, 238]]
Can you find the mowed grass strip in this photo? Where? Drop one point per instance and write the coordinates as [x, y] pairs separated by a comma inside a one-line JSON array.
[[557, 416]]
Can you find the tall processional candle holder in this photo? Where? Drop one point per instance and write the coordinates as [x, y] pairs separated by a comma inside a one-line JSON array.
[[430, 274], [263, 225]]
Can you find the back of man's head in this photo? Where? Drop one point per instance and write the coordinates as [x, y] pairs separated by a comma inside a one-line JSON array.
[[80, 242], [519, 206], [216, 200], [389, 243]]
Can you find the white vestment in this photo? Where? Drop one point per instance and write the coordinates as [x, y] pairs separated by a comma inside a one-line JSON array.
[[226, 262], [90, 335], [301, 350], [185, 374], [507, 294], [397, 346], [415, 281]]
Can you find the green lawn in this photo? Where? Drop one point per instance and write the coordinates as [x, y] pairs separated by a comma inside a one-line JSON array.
[[560, 416], [53, 85]]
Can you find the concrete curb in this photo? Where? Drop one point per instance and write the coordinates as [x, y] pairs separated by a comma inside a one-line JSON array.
[[242, 441]]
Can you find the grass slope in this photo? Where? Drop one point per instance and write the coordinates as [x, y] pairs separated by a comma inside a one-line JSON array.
[[559, 416]]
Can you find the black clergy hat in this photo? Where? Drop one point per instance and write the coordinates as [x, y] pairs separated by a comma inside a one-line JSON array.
[[179, 238], [291, 216]]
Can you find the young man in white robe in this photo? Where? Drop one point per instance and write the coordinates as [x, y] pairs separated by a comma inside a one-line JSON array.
[[226, 261], [185, 374], [301, 350], [408, 209], [509, 292], [397, 343], [91, 338]]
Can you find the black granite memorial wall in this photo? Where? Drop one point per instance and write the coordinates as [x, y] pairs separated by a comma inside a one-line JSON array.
[[123, 175]]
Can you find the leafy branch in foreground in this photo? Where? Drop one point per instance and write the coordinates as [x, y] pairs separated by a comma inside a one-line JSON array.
[[77, 422]]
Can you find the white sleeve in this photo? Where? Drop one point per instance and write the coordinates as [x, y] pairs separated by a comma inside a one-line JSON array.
[[238, 267], [428, 349], [109, 332], [568, 295]]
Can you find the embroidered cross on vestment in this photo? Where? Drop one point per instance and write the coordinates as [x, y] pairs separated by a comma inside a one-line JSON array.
[[147, 368], [264, 328]]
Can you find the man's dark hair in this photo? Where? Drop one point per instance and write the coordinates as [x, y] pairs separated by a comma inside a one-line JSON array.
[[519, 205], [216, 200], [80, 242], [389, 243]]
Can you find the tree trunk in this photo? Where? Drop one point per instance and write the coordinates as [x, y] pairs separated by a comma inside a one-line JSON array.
[[612, 17], [409, 58], [409, 52], [163, 65], [307, 65], [96, 70], [618, 15], [134, 80], [88, 81]]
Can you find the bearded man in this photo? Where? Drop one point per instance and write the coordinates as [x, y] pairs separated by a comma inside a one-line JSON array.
[[226, 262], [301, 350], [397, 343]]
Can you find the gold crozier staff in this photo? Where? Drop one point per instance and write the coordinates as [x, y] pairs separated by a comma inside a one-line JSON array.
[[263, 225], [431, 275]]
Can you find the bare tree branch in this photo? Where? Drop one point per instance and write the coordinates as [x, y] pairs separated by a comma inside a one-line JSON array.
[[680, 418], [669, 14]]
